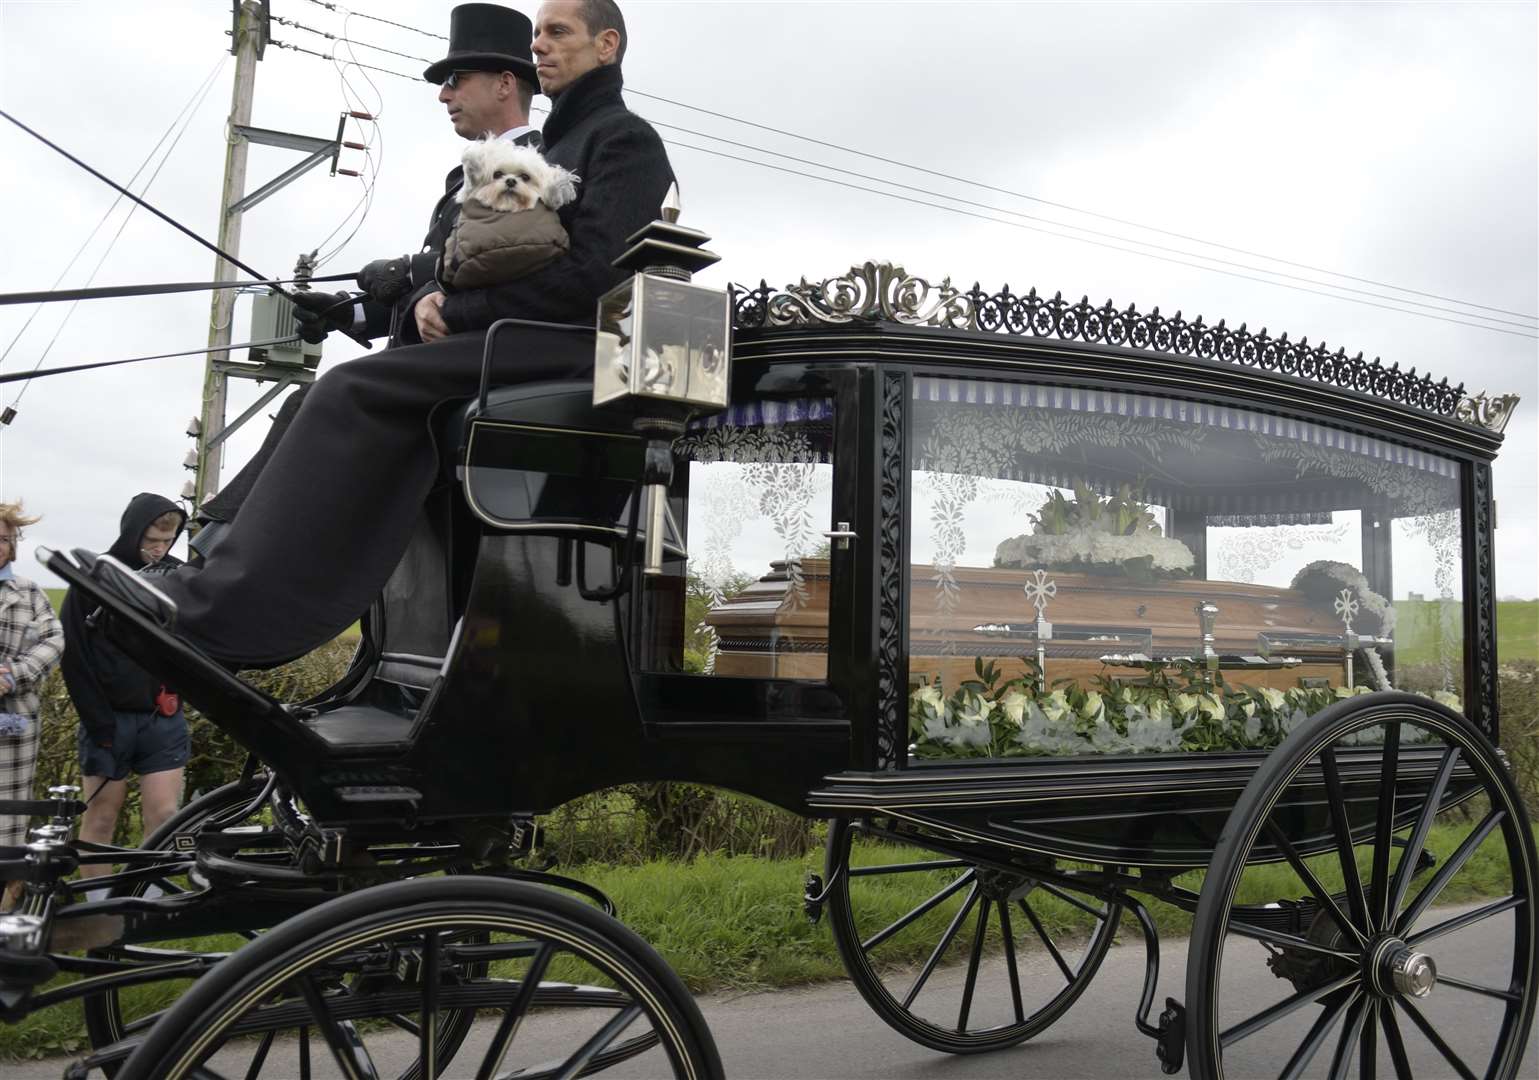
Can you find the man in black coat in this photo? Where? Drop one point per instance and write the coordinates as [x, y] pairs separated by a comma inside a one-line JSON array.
[[486, 83], [359, 460], [129, 721]]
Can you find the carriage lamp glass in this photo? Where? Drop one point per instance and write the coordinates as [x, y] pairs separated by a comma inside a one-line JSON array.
[[663, 339]]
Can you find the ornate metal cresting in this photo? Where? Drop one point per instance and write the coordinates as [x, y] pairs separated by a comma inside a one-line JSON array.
[[885, 292], [1039, 589]]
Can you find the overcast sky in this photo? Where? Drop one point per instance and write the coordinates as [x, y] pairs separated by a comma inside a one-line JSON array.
[[1396, 143]]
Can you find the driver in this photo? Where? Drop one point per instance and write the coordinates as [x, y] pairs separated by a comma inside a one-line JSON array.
[[349, 479], [486, 83]]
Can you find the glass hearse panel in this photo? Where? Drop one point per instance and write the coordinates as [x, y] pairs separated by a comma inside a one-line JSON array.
[[757, 496], [1100, 572]]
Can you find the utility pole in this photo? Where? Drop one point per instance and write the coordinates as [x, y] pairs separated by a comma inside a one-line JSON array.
[[247, 43]]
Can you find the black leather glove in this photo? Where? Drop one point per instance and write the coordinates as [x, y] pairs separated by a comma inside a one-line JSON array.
[[316, 314], [386, 280]]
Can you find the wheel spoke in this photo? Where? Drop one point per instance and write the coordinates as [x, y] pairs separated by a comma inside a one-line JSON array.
[[1445, 873], [1350, 1033], [1292, 941], [919, 912], [1368, 1059], [1343, 827], [1469, 918], [1395, 1043], [255, 1069], [1384, 828], [1476, 988], [1436, 1040], [605, 1035], [1318, 1032], [1418, 838], [1273, 1013], [1036, 924], [1070, 898], [427, 1017], [304, 1053], [347, 1048], [974, 955], [1015, 976], [1321, 894], [940, 947], [507, 1027]]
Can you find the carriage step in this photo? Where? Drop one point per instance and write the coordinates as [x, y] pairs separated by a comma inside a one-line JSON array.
[[379, 793]]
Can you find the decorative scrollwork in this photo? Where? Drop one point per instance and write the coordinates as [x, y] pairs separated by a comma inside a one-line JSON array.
[[891, 679], [1490, 411], [880, 291]]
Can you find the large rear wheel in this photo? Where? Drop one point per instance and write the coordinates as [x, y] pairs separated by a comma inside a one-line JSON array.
[[1396, 913], [957, 956]]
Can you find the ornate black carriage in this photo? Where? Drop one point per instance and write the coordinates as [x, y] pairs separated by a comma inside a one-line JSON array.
[[1043, 605]]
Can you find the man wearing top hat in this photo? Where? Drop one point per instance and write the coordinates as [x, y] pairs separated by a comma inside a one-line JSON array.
[[359, 460], [487, 82]]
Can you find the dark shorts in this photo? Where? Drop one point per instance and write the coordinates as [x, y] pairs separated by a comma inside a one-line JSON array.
[[145, 742]]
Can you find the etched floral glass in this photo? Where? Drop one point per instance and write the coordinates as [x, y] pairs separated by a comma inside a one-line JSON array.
[[1104, 572]]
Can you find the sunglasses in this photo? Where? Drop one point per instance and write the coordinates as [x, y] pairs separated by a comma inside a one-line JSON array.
[[456, 77]]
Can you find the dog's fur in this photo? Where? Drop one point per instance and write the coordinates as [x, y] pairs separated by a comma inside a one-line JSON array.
[[504, 176]]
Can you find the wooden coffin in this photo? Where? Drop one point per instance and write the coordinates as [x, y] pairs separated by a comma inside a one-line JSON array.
[[778, 626]]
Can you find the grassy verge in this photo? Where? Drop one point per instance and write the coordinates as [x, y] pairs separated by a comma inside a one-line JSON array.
[[737, 924], [1419, 628]]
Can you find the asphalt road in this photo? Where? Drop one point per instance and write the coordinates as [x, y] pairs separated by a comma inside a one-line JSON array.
[[827, 1031]]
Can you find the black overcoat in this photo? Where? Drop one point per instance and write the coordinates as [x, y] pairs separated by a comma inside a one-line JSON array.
[[329, 518]]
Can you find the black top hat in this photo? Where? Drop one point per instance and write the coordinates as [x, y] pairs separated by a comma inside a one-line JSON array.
[[486, 37]]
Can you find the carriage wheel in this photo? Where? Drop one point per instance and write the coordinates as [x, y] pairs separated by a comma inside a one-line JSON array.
[[958, 957], [562, 987], [1397, 913], [118, 1014]]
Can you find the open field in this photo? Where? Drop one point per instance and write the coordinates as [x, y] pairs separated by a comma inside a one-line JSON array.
[[1419, 625]]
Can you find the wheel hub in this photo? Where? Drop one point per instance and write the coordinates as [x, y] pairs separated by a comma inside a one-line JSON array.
[[1391, 967], [1003, 887]]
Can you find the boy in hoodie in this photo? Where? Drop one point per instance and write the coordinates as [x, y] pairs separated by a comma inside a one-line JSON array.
[[129, 721]]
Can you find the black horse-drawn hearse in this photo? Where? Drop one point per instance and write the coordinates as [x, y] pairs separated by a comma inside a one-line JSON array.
[[1043, 606]]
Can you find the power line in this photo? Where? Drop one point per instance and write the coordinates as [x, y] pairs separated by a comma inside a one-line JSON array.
[[1062, 206], [117, 199], [201, 96], [1066, 225], [355, 63], [375, 18], [1074, 209], [351, 41], [1097, 243]]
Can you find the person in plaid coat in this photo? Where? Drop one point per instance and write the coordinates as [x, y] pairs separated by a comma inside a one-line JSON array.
[[31, 642]]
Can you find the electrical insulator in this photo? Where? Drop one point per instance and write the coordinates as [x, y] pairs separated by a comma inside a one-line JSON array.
[[355, 145], [346, 172], [189, 491], [8, 415], [361, 115], [194, 428], [191, 460]]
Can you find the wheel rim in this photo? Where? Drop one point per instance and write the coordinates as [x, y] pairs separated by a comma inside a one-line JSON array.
[[956, 956], [1413, 951], [125, 1016], [331, 996]]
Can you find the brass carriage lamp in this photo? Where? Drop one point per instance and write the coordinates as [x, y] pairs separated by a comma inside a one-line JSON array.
[[664, 348]]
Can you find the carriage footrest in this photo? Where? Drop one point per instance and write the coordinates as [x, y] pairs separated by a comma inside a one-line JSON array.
[[379, 793]]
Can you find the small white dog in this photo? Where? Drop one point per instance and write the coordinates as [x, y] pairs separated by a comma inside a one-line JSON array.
[[504, 176]]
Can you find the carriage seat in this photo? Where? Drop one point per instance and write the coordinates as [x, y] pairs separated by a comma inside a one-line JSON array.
[[540, 455]]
